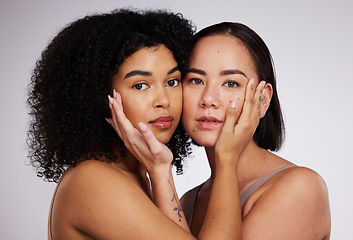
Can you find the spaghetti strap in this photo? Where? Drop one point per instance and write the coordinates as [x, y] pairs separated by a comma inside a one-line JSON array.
[[244, 196]]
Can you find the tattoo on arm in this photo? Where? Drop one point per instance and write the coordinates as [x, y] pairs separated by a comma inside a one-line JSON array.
[[178, 208]]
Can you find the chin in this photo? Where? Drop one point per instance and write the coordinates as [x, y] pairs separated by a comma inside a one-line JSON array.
[[164, 138], [205, 141]]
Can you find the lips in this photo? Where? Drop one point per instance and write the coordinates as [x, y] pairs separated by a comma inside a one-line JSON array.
[[208, 122], [163, 122]]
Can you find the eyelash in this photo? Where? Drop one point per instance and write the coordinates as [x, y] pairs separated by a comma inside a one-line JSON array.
[[236, 84], [138, 86], [193, 81], [177, 81], [143, 86]]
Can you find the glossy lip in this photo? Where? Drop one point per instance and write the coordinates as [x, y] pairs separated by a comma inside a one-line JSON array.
[[163, 122], [208, 122]]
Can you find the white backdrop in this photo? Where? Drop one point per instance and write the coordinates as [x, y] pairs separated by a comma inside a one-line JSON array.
[[311, 43]]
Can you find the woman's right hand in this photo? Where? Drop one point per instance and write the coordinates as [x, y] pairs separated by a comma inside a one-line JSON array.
[[154, 156], [151, 153], [237, 133]]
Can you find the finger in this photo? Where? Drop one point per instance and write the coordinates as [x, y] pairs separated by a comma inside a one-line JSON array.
[[254, 117], [120, 123], [150, 138], [248, 102], [231, 117], [258, 96], [112, 121], [119, 118], [253, 96]]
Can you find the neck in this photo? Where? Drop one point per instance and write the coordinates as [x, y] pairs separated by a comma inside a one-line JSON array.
[[130, 164], [134, 169]]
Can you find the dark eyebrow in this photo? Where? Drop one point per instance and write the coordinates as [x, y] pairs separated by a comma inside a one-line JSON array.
[[232, 71], [173, 70], [223, 73], [137, 72], [195, 70], [146, 73]]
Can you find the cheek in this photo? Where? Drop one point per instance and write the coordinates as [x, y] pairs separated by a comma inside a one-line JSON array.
[[190, 103], [134, 110], [238, 96], [177, 101]]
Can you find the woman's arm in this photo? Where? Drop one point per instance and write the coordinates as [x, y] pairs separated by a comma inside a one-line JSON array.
[[222, 220], [155, 157], [235, 135]]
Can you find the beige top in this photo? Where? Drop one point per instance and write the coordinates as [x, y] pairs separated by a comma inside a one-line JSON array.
[[244, 196]]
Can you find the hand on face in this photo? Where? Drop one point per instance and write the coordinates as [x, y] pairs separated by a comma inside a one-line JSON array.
[[237, 132], [151, 153]]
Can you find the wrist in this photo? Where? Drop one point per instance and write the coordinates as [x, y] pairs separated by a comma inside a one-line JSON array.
[[226, 160], [160, 172]]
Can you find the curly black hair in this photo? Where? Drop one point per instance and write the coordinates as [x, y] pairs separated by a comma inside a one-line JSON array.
[[70, 83]]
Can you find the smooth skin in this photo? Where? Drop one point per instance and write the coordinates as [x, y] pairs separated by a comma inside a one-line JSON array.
[[97, 200], [291, 205]]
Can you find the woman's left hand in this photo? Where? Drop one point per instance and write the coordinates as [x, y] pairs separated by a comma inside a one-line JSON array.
[[237, 133]]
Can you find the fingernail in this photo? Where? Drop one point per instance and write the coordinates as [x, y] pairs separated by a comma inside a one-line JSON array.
[[106, 119], [232, 104], [114, 93], [142, 127], [110, 101]]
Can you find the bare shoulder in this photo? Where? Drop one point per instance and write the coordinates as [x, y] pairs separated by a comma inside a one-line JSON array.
[[303, 181], [98, 201], [294, 202], [89, 167], [93, 181], [89, 199]]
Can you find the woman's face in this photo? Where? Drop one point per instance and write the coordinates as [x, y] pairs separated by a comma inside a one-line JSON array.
[[149, 84], [220, 67]]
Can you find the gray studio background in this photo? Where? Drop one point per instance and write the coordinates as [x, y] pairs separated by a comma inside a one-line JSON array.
[[311, 43]]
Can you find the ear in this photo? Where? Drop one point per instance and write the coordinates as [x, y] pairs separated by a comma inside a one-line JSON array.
[[266, 99]]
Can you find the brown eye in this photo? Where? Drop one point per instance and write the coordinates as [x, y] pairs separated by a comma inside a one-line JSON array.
[[140, 86], [196, 81], [173, 83], [231, 84]]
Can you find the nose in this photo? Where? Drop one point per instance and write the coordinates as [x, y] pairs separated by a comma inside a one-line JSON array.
[[161, 99], [210, 97]]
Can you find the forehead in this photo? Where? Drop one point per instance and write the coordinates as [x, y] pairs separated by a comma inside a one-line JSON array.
[[225, 50], [149, 56]]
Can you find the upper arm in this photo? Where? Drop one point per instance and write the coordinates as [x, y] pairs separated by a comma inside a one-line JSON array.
[[295, 206], [106, 204]]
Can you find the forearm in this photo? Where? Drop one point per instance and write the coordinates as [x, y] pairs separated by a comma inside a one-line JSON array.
[[165, 197], [224, 211]]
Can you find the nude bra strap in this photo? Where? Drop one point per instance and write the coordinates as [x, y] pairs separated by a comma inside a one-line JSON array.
[[244, 196]]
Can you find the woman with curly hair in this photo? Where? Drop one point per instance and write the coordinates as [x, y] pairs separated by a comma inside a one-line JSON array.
[[103, 190]]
